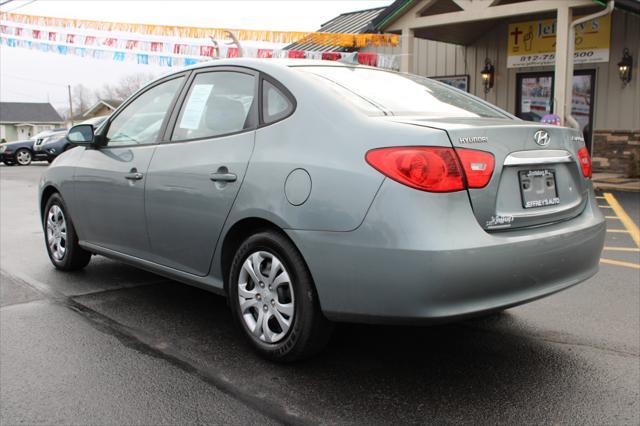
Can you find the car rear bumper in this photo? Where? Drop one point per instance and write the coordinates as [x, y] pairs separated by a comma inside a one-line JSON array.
[[420, 256]]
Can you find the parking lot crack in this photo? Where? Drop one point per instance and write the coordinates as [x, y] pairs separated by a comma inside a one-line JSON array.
[[148, 345]]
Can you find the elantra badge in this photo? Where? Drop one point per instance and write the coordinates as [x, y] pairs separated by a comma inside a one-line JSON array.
[[542, 137]]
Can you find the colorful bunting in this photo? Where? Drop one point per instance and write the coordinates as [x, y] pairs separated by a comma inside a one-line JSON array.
[[325, 39], [367, 59], [165, 53]]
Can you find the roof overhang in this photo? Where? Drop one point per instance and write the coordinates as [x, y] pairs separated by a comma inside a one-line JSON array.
[[30, 123], [463, 21], [96, 106]]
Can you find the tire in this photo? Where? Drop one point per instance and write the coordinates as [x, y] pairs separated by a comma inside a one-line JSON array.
[[23, 157], [9, 163], [60, 237], [308, 330]]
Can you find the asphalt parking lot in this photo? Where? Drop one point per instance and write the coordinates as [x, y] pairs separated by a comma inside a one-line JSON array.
[[112, 344]]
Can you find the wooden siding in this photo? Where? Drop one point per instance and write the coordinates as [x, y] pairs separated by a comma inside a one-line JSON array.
[[616, 107]]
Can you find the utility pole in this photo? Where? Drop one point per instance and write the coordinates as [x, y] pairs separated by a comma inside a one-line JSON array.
[[70, 105]]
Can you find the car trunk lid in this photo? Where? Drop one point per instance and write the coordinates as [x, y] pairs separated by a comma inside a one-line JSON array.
[[537, 178]]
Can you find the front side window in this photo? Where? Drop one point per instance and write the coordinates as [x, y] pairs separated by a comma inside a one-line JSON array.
[[140, 122], [378, 92], [275, 105], [218, 103]]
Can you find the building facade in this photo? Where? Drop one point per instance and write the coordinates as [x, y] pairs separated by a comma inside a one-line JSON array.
[[519, 44], [24, 120]]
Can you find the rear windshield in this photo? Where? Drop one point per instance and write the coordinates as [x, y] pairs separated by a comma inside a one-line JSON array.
[[379, 92]]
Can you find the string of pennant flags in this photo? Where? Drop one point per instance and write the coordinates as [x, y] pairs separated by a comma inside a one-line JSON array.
[[325, 39], [163, 50], [385, 61]]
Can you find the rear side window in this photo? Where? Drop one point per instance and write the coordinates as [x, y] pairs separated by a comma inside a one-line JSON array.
[[275, 104], [218, 103]]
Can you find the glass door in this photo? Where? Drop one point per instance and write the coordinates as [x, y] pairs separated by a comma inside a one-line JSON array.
[[534, 98]]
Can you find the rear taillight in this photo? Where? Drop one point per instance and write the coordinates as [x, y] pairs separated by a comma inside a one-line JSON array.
[[430, 169], [585, 162], [477, 165]]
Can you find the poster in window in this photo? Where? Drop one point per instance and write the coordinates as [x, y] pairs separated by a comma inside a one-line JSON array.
[[536, 93], [458, 81]]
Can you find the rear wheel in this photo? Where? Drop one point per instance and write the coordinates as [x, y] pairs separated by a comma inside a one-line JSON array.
[[273, 299], [61, 238], [23, 157]]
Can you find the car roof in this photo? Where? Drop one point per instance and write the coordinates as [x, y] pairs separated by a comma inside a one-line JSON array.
[[266, 64], [258, 63], [261, 64]]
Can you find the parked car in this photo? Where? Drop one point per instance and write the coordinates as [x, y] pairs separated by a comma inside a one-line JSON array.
[[56, 143], [40, 137], [20, 153], [310, 192], [59, 139]]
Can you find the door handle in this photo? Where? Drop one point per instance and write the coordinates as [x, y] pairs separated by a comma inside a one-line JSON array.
[[223, 177], [134, 176]]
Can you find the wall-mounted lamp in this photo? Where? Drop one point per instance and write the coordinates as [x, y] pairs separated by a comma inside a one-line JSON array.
[[488, 73], [625, 66]]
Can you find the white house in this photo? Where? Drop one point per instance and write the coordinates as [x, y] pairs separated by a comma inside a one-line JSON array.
[[23, 120]]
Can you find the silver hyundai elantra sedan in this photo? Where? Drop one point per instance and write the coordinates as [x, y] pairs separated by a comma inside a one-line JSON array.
[[314, 192]]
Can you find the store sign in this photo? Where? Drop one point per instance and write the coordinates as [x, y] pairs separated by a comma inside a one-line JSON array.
[[533, 43]]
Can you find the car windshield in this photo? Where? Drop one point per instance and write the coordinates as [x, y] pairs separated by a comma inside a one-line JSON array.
[[379, 92]]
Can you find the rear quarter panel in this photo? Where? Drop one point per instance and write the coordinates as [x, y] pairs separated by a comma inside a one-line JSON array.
[[329, 140]]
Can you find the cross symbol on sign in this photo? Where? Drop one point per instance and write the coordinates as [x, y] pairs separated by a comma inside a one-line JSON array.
[[515, 33]]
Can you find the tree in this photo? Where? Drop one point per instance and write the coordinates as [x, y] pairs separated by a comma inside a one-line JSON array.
[[82, 98], [125, 87]]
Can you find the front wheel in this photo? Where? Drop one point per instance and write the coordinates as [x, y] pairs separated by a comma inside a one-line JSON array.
[[273, 299], [61, 239], [23, 157]]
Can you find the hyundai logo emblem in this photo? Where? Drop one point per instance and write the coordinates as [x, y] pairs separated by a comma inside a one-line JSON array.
[[542, 137]]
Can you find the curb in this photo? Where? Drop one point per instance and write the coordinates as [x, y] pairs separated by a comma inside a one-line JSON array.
[[613, 187]]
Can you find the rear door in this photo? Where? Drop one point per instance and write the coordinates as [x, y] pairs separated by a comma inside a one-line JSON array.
[[110, 180], [195, 174]]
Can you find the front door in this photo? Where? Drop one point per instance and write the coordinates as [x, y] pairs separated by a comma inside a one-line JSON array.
[[534, 98], [110, 180], [195, 176]]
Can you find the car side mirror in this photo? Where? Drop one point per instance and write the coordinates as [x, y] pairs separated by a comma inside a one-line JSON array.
[[82, 134]]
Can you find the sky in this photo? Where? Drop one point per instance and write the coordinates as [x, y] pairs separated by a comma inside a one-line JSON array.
[[33, 76]]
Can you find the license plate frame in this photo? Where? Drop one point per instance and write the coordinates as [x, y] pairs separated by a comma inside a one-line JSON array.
[[538, 188]]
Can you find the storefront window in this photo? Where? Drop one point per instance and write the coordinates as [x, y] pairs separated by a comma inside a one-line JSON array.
[[535, 98]]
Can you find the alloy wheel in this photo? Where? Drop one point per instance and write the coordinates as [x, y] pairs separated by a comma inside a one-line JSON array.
[[56, 232], [23, 157], [266, 298]]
